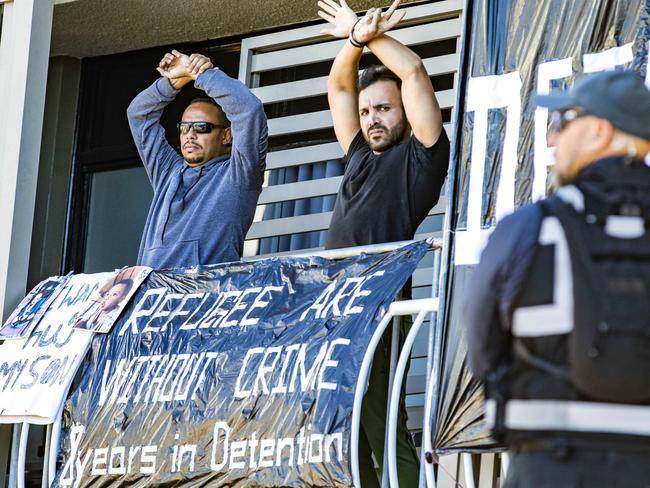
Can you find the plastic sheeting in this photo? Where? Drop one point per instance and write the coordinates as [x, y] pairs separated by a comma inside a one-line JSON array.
[[512, 50], [232, 375]]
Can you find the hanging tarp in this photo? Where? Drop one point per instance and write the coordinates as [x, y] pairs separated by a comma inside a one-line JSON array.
[[512, 50], [232, 375]]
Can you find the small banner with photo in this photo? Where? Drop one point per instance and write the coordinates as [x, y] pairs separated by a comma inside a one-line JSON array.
[[32, 308], [37, 368]]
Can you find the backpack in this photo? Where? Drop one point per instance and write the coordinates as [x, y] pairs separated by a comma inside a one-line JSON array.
[[609, 346]]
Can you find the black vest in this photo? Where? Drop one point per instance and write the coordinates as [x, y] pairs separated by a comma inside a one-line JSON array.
[[580, 325]]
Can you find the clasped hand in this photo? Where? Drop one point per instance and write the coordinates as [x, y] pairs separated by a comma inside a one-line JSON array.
[[180, 68]]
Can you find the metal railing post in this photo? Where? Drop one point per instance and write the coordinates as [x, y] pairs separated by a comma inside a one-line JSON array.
[[13, 459], [46, 457], [427, 446], [505, 463], [422, 307], [5, 449], [468, 467], [359, 391], [17, 473], [435, 288], [433, 386], [394, 346]]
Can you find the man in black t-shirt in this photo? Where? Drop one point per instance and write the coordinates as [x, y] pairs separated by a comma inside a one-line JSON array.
[[397, 152], [390, 129]]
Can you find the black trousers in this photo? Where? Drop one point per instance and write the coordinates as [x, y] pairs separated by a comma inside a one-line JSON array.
[[567, 467]]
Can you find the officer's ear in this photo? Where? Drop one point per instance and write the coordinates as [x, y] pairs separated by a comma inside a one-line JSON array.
[[603, 134]]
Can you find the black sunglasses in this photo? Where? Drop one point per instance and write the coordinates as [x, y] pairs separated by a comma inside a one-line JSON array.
[[561, 118], [199, 127]]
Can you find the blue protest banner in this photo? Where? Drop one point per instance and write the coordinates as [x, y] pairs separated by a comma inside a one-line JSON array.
[[232, 375]]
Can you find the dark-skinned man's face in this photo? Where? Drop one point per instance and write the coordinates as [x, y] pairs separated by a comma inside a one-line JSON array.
[[198, 149]]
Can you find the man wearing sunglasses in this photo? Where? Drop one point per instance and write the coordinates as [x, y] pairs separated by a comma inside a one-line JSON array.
[[558, 310], [204, 198]]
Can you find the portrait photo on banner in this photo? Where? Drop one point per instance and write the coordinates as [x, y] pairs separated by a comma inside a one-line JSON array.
[[108, 302]]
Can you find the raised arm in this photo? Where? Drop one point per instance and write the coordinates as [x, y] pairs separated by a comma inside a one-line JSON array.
[[145, 111], [246, 114], [342, 91], [342, 95], [144, 114], [342, 81]]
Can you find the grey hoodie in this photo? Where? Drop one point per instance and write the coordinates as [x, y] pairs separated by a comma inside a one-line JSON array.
[[199, 215]]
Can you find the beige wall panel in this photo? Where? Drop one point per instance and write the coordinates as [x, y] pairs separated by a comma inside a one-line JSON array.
[[97, 27]]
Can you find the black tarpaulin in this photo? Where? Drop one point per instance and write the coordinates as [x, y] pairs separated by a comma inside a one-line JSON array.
[[512, 50]]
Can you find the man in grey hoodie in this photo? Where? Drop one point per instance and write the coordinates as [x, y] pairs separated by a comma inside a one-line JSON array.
[[204, 200]]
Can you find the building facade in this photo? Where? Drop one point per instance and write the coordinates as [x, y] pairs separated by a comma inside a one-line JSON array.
[[74, 192]]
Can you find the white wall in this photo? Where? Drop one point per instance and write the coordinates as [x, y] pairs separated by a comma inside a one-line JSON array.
[[24, 53]]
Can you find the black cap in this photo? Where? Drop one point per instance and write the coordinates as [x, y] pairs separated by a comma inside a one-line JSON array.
[[617, 96]]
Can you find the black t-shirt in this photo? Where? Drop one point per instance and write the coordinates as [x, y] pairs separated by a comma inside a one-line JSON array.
[[385, 197]]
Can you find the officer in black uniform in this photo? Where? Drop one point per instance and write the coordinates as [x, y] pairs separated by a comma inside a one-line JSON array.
[[558, 310]]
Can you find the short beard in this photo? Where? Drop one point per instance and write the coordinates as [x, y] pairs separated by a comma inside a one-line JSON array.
[[194, 159], [391, 137]]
